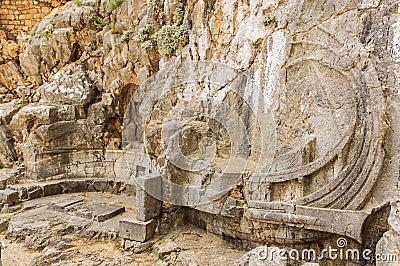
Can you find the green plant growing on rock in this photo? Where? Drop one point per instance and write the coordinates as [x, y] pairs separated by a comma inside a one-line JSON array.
[[145, 38], [47, 33], [178, 16], [192, 31], [148, 44], [268, 19], [127, 33], [202, 155], [112, 25], [144, 33], [178, 13], [98, 22], [114, 4], [78, 3], [170, 37], [124, 144]]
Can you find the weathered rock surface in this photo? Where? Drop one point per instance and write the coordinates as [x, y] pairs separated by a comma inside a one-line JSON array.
[[8, 155], [388, 247], [8, 110], [70, 85], [9, 77], [9, 49], [49, 219], [32, 116], [56, 42], [10, 176]]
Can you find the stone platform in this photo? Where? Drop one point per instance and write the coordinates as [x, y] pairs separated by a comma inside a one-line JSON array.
[[92, 215]]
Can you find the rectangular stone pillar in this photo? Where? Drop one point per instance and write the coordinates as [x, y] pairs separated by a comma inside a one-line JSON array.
[[147, 206]]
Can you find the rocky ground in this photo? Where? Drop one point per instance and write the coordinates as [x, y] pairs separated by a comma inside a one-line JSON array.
[[188, 245], [81, 229]]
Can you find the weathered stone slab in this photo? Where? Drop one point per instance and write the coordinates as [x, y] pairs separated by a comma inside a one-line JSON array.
[[61, 206], [9, 196], [232, 208], [74, 186], [9, 177], [4, 221], [34, 192], [9, 75], [101, 185], [7, 152], [137, 230], [27, 192], [104, 211], [52, 189], [136, 247], [8, 110]]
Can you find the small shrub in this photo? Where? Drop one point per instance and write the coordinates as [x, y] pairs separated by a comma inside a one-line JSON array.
[[127, 33], [78, 3], [114, 4], [170, 37], [98, 22], [202, 156], [47, 33], [148, 44], [268, 19], [144, 33], [112, 26], [192, 31], [179, 13], [178, 16], [124, 144]]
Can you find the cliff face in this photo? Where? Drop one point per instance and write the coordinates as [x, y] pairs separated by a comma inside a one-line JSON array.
[[295, 101]]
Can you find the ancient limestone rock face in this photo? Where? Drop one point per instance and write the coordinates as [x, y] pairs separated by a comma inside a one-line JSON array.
[[313, 103], [42, 54], [9, 49], [9, 78], [8, 110], [389, 244], [68, 86], [7, 152], [56, 41]]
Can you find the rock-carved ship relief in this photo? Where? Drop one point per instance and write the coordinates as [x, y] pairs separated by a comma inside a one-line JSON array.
[[282, 166]]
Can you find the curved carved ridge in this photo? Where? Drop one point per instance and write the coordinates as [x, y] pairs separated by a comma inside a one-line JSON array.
[[349, 188], [308, 169], [359, 199], [305, 170], [359, 182], [317, 195], [357, 194], [325, 196], [340, 200]]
